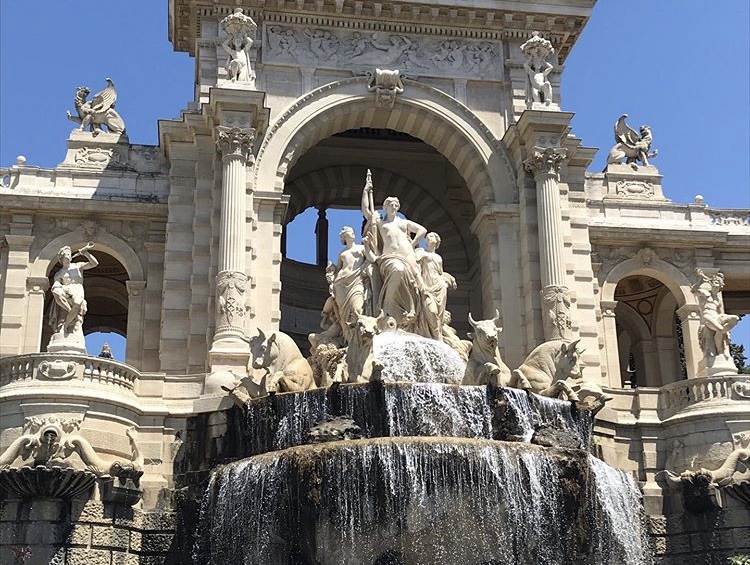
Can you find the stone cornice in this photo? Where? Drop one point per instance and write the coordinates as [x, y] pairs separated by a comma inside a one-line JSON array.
[[560, 22]]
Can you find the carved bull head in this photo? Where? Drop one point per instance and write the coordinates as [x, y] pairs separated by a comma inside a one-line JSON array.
[[367, 327], [261, 350], [568, 361], [485, 330]]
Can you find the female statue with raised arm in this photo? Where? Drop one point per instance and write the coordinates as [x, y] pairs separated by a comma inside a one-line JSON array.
[[392, 240]]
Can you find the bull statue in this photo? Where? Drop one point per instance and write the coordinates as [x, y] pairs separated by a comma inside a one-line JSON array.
[[285, 370], [485, 366], [360, 364], [548, 367]]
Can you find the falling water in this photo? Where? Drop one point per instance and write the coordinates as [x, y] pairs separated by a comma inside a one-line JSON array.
[[425, 500], [619, 502], [413, 358], [535, 411], [427, 409]]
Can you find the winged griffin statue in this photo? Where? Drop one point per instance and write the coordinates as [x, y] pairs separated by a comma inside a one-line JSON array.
[[630, 146], [99, 111]]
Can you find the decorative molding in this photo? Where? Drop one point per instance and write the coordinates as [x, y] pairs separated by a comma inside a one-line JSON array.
[[609, 256], [334, 48], [235, 142], [230, 291], [57, 369], [99, 158], [545, 160], [386, 85], [729, 217], [634, 189], [556, 312]]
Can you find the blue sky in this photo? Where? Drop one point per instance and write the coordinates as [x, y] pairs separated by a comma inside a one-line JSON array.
[[681, 66]]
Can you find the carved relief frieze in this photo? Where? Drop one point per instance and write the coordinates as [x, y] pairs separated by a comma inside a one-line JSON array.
[[323, 48], [634, 189], [729, 217], [99, 158], [609, 256]]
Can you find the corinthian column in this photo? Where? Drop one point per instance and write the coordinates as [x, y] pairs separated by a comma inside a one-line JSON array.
[[544, 164], [235, 145]]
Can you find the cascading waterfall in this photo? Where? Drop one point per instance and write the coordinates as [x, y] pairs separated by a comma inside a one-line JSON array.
[[422, 500]]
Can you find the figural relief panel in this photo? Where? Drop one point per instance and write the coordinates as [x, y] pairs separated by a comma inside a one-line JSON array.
[[322, 48]]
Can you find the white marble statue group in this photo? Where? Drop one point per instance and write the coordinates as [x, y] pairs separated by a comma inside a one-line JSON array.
[[388, 284]]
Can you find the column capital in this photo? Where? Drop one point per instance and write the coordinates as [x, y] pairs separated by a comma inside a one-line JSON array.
[[608, 308], [235, 142], [545, 160]]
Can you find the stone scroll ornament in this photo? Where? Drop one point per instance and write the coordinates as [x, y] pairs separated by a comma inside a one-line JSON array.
[[240, 30], [68, 305], [537, 50], [631, 147], [386, 85], [99, 111]]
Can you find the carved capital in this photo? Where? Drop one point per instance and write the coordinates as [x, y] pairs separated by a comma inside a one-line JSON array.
[[230, 298], [608, 308], [545, 160], [235, 142], [556, 312]]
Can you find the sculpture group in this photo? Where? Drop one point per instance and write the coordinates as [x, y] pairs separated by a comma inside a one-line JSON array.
[[390, 283]]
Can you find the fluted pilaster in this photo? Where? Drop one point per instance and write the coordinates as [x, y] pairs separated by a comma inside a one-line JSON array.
[[544, 165]]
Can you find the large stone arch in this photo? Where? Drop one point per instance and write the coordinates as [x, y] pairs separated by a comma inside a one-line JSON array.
[[421, 111]]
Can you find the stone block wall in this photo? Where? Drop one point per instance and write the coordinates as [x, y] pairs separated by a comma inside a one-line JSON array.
[[703, 539], [58, 532]]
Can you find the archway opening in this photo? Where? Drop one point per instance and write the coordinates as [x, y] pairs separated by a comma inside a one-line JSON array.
[[325, 189], [105, 290], [649, 333]]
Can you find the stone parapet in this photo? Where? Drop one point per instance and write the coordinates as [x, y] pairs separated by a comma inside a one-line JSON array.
[[62, 367]]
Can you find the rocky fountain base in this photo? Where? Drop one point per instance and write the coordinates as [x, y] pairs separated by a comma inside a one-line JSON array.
[[434, 480]]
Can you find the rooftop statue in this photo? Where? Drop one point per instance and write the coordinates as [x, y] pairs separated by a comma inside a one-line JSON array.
[[68, 306], [240, 30], [629, 146], [99, 111], [536, 50], [713, 333]]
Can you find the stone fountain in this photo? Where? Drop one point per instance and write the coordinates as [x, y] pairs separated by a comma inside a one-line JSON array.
[[399, 443]]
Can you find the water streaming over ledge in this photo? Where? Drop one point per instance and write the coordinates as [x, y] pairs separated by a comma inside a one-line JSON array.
[[403, 409], [421, 501]]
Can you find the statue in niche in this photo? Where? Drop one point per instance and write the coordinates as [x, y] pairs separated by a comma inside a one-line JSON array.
[[536, 50], [68, 306], [350, 278], [240, 30], [629, 146], [99, 111], [436, 281], [713, 333], [392, 242]]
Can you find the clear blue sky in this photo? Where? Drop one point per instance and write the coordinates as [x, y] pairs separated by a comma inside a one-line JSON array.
[[681, 66]]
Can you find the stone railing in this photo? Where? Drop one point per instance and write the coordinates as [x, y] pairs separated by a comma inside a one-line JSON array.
[[680, 395], [66, 367]]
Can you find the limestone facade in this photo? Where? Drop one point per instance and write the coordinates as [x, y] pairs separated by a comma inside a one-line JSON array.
[[190, 233]]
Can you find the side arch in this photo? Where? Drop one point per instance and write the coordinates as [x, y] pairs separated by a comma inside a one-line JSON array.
[[669, 275], [45, 261]]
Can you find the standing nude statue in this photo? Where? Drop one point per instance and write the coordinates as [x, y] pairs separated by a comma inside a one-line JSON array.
[[69, 303], [437, 282]]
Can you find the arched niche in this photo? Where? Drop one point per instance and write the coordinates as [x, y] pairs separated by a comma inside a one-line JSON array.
[[107, 288], [429, 117], [648, 339]]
